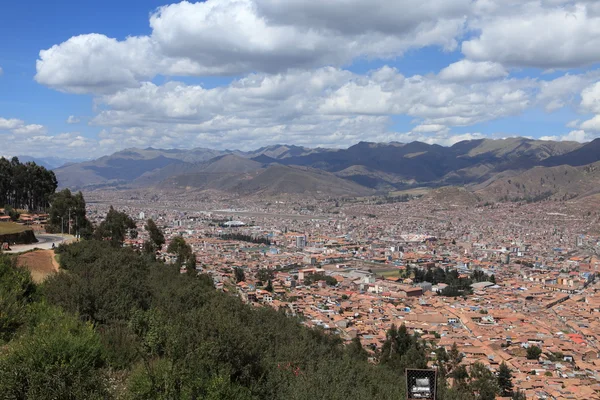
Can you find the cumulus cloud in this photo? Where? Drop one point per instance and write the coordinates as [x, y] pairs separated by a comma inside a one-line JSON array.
[[32, 139], [517, 33], [327, 106], [573, 136], [470, 71], [73, 120], [9, 124], [239, 36]]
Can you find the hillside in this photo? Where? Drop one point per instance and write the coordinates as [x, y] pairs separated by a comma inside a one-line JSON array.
[[247, 177], [279, 179], [562, 183]]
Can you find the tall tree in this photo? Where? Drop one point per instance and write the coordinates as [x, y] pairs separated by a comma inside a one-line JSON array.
[[68, 210], [184, 252], [505, 380], [115, 227], [156, 236], [483, 382], [25, 186]]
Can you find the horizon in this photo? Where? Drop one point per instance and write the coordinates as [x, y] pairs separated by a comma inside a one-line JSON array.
[[80, 160], [95, 82]]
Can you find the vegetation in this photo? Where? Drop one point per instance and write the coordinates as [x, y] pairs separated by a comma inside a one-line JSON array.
[[185, 255], [68, 209], [533, 352], [330, 280], [10, 228], [25, 186], [457, 285], [157, 238], [245, 238], [115, 228]]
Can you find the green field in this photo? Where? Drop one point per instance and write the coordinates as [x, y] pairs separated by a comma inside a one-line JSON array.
[[390, 273], [10, 228]]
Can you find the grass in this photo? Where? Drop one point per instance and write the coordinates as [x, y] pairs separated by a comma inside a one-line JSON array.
[[9, 228], [390, 273]]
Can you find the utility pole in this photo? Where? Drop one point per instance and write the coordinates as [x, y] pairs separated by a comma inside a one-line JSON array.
[[69, 221], [62, 225]]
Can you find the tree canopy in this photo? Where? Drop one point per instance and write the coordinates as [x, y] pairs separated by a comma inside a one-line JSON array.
[[25, 186], [68, 210], [115, 227]]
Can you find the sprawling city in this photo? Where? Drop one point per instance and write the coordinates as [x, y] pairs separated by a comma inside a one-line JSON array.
[[300, 200]]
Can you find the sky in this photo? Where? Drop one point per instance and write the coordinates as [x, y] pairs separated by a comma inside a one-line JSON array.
[[82, 79]]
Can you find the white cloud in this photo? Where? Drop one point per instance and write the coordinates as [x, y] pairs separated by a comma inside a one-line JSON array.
[[470, 71], [590, 98], [573, 136], [28, 130], [591, 124], [564, 90], [9, 124], [528, 33], [19, 138], [241, 36], [427, 128], [327, 106], [1, 71], [73, 120]]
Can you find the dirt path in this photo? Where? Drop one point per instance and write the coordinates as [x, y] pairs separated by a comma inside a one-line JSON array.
[[41, 264]]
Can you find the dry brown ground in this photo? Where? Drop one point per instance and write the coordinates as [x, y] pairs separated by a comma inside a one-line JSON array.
[[41, 264]]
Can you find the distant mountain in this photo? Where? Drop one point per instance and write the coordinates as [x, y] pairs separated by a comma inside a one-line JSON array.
[[586, 154], [365, 167], [50, 162], [126, 166], [281, 151]]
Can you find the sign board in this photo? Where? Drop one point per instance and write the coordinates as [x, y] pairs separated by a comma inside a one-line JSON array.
[[420, 384]]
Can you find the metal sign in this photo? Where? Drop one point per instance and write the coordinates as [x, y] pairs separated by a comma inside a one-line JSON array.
[[421, 384]]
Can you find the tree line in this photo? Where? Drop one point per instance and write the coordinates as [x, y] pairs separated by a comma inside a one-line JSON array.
[[457, 285], [25, 186], [245, 238]]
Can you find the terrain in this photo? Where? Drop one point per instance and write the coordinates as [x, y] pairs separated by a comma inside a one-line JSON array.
[[40, 263], [502, 169]]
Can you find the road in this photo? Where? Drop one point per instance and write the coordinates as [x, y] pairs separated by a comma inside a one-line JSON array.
[[45, 242]]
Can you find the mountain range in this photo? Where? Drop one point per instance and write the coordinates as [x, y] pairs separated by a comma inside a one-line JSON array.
[[489, 167]]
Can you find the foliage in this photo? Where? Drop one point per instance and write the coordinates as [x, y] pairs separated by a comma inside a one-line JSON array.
[[184, 252], [505, 380], [26, 186], [68, 209], [457, 285], [58, 358], [310, 279], [16, 292], [533, 352], [245, 238], [115, 227], [11, 212], [239, 274], [157, 238]]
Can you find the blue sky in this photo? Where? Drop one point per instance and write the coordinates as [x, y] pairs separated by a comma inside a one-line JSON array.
[[248, 73]]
